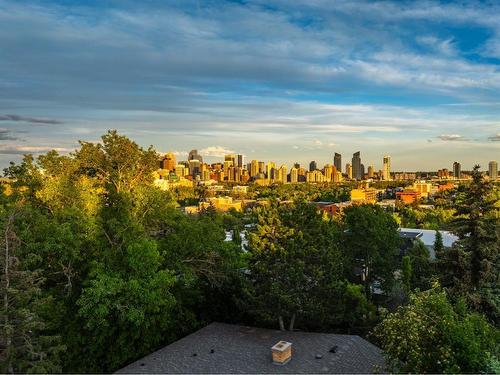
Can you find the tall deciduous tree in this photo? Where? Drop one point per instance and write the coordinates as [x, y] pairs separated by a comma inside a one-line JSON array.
[[372, 243], [119, 162], [430, 335]]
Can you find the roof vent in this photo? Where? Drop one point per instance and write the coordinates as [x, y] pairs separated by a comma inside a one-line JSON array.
[[282, 352]]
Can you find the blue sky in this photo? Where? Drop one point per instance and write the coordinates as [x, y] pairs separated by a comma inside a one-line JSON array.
[[272, 79]]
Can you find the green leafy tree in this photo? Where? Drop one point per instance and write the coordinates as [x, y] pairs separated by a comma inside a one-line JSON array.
[[406, 273], [430, 335], [119, 162], [27, 345], [371, 242], [129, 309], [422, 269], [295, 268]]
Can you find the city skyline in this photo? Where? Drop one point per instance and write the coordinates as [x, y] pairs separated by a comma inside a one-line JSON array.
[[274, 80], [384, 165]]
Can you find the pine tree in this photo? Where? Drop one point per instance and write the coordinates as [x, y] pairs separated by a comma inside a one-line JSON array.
[[438, 243], [472, 267], [25, 346]]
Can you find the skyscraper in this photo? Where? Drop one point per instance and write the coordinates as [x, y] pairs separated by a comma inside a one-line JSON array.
[[371, 170], [456, 170], [312, 166], [168, 162], [493, 170], [282, 174], [348, 170], [386, 172], [254, 168], [193, 155], [356, 165], [294, 175], [337, 161], [240, 160]]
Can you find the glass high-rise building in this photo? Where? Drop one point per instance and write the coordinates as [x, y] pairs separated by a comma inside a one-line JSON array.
[[386, 171], [313, 166], [456, 170], [337, 161], [493, 170], [356, 166]]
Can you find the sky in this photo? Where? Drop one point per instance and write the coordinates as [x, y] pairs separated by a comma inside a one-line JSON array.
[[289, 81]]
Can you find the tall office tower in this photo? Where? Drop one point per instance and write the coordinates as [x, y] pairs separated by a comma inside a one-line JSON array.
[[328, 171], [262, 167], [348, 170], [386, 172], [493, 170], [294, 175], [282, 174], [194, 167], [312, 166], [228, 164], [168, 162], [362, 171], [230, 158], [371, 171], [337, 177], [337, 161], [193, 155], [302, 174], [240, 160], [356, 165], [456, 170], [254, 168]]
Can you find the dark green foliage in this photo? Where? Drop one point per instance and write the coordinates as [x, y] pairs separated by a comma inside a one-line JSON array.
[[438, 243], [406, 273], [422, 269], [296, 270], [372, 245], [25, 338], [431, 335], [472, 267], [130, 309]]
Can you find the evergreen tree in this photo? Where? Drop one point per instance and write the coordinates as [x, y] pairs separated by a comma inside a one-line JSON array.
[[438, 243], [26, 345], [406, 273], [421, 266], [472, 267]]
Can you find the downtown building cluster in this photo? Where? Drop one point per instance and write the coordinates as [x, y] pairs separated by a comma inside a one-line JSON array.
[[233, 169]]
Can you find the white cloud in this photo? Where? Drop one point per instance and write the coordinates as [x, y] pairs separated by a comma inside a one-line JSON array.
[[216, 151], [451, 137], [17, 149]]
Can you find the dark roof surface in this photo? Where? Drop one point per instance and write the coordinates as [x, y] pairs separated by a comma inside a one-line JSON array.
[[225, 348]]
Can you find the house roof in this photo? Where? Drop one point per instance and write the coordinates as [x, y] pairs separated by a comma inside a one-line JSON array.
[[428, 236], [226, 348]]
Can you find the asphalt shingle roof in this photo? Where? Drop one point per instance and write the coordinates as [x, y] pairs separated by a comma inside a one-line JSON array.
[[225, 348]]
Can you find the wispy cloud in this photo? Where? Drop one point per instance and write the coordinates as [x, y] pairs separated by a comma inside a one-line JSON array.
[[20, 150], [32, 120], [216, 151], [6, 135], [494, 138], [451, 137]]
